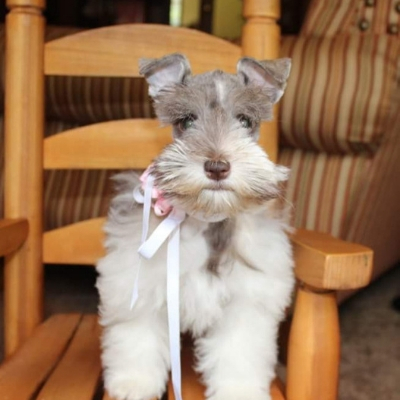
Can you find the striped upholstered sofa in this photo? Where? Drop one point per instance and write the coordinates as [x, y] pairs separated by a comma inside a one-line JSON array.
[[340, 123], [340, 127]]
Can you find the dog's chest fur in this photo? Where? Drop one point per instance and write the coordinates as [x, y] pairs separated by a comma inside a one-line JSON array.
[[246, 260], [231, 261]]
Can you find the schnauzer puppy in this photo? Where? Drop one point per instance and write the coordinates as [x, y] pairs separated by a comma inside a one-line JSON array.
[[236, 274]]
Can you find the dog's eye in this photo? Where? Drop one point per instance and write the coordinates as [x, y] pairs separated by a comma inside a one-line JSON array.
[[244, 121], [186, 123]]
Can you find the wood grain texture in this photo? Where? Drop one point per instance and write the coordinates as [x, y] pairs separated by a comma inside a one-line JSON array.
[[80, 243], [13, 232], [192, 389], [23, 175], [314, 347], [261, 40], [23, 373], [77, 375], [26, 3], [115, 50], [124, 144], [325, 262], [262, 8]]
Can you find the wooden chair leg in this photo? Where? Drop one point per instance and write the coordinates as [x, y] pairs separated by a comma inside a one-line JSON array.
[[24, 115], [314, 347]]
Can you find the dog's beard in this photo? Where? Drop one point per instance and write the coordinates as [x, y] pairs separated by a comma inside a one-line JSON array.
[[252, 182]]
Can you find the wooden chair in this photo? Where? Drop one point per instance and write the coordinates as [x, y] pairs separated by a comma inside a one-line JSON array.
[[59, 359]]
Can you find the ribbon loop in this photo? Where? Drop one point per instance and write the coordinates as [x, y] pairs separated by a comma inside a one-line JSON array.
[[161, 233]]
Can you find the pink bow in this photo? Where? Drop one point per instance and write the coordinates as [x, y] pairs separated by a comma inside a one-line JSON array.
[[160, 205]]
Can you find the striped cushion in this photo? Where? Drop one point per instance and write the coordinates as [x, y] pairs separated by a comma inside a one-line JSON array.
[[323, 188], [331, 17], [376, 219], [339, 92], [87, 100], [355, 197], [74, 195]]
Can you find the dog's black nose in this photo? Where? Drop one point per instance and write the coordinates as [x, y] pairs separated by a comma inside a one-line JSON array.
[[217, 170]]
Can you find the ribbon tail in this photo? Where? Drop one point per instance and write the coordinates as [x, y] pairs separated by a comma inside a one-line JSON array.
[[145, 230], [173, 311]]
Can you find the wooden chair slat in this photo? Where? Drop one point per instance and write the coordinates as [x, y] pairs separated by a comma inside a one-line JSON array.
[[78, 373], [80, 243], [123, 144], [13, 232], [108, 397], [325, 262], [23, 373], [191, 384], [113, 51]]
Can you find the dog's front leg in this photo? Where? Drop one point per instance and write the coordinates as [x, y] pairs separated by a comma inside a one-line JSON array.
[[136, 357], [237, 356]]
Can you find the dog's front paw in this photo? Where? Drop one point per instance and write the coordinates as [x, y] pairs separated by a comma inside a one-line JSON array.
[[234, 392], [133, 387]]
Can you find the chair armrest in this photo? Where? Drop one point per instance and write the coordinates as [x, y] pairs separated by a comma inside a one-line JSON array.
[[323, 264], [328, 263], [13, 232]]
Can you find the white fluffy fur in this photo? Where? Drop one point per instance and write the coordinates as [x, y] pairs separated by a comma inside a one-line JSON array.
[[234, 316]]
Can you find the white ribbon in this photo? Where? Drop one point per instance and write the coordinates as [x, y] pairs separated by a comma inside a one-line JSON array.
[[146, 201], [161, 233], [173, 310], [168, 228]]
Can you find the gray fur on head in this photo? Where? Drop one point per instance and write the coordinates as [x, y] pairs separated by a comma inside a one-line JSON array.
[[164, 72], [216, 118], [269, 74]]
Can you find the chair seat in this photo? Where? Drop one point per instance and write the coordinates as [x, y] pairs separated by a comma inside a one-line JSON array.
[[192, 389], [61, 361]]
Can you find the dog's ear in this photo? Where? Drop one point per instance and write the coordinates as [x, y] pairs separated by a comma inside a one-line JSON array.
[[269, 74], [163, 72]]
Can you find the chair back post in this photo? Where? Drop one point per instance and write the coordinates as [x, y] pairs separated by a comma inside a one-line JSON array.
[[261, 39], [24, 122]]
